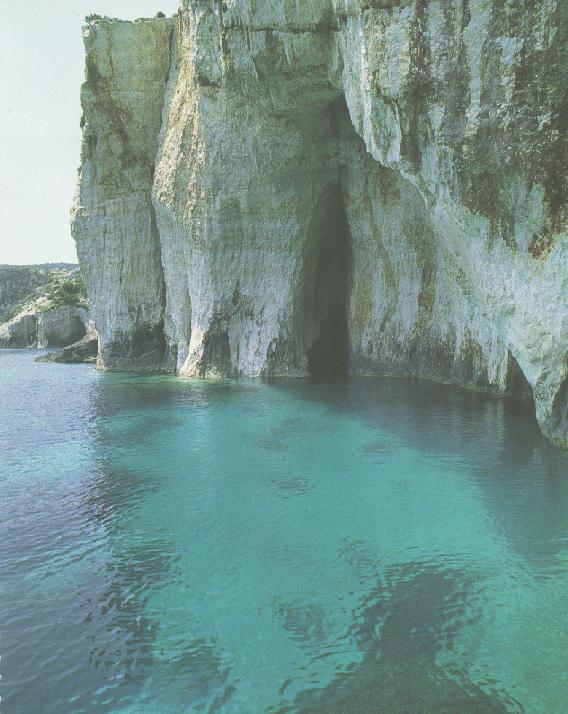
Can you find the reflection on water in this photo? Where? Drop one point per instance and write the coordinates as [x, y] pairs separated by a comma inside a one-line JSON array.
[[373, 546]]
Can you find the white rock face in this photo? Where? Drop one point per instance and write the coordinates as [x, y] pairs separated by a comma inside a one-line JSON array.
[[46, 327], [61, 326], [117, 239], [20, 331], [270, 187]]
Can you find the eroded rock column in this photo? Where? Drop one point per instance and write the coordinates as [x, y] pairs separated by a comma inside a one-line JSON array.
[[245, 176], [114, 226]]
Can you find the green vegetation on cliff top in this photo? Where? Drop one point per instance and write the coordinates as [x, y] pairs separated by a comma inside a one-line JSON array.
[[64, 288]]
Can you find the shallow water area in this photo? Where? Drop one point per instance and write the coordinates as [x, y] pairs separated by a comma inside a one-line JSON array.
[[373, 546]]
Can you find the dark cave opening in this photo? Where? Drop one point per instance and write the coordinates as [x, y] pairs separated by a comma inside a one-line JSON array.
[[516, 383], [328, 355]]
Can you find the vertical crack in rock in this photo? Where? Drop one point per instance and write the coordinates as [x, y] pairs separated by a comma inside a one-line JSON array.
[[516, 382]]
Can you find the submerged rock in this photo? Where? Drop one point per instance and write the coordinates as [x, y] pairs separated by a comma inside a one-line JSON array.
[[277, 188]]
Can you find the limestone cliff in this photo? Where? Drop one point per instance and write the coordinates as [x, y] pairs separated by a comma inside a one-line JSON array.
[[272, 187], [50, 327], [53, 313]]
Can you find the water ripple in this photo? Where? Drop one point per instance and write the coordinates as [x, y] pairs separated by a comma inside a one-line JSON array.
[[184, 546]]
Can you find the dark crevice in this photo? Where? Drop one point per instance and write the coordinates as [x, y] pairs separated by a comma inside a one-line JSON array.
[[217, 348], [516, 383], [165, 364], [328, 355], [557, 425]]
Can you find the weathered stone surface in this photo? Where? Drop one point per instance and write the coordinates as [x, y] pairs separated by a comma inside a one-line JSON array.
[[118, 246], [60, 326], [20, 331], [40, 326], [17, 282], [267, 183], [84, 350]]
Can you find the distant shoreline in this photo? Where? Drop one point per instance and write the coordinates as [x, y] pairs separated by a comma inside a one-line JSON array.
[[38, 266]]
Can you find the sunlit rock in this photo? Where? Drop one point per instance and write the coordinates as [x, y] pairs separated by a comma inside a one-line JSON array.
[[279, 188]]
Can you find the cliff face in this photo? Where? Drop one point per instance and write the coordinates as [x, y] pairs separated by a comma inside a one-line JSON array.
[[275, 187], [51, 327], [16, 283], [117, 240], [49, 306]]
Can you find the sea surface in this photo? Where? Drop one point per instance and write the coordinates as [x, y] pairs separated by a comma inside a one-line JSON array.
[[376, 546]]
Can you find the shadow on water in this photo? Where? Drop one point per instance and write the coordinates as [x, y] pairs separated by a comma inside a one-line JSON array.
[[103, 641], [494, 440], [133, 657], [400, 627]]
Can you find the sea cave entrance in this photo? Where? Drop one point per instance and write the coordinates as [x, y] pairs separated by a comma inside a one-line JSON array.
[[328, 353]]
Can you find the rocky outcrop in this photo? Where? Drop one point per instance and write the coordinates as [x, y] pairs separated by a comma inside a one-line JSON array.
[[278, 188], [45, 326], [16, 283], [61, 326], [52, 314], [20, 331], [84, 350]]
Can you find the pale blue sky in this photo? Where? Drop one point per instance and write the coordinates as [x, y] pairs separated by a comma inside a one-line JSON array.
[[41, 70]]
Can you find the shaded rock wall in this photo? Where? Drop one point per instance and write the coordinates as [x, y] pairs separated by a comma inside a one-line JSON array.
[[61, 326], [386, 179]]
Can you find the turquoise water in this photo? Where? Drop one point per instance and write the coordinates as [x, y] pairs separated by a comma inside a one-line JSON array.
[[376, 546]]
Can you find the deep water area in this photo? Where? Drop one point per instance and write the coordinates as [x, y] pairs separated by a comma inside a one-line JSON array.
[[375, 545]]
